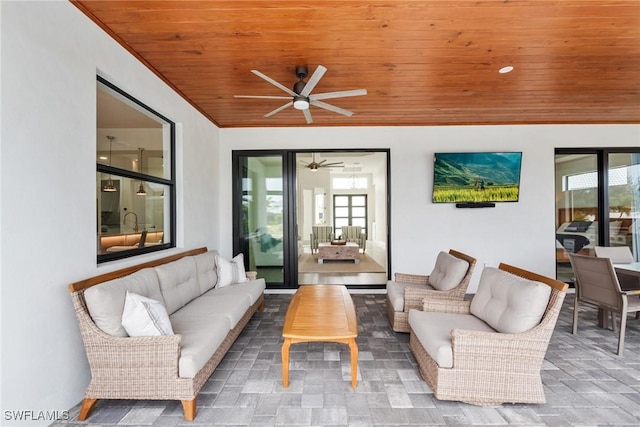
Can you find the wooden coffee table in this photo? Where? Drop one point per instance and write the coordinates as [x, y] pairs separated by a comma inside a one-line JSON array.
[[320, 313], [348, 251]]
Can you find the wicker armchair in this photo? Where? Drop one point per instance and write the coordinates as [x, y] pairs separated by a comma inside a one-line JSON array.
[[407, 291], [487, 367]]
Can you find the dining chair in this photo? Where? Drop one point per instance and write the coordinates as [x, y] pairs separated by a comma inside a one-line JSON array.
[[619, 255], [597, 284]]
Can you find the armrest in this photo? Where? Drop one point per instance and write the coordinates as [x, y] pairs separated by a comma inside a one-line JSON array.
[[446, 306], [411, 278], [414, 297], [631, 292], [251, 275]]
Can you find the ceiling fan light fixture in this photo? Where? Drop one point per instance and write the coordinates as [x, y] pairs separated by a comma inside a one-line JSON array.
[[300, 103]]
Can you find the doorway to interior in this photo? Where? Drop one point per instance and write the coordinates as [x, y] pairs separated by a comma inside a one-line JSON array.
[[286, 203]]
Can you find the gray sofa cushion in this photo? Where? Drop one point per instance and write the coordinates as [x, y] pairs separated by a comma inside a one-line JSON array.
[[201, 337], [105, 301], [178, 282], [232, 307], [448, 272], [253, 289], [206, 269], [509, 303], [395, 292], [433, 330]]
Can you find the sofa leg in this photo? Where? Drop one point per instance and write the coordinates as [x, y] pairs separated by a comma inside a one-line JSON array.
[[261, 307], [85, 409], [189, 407]]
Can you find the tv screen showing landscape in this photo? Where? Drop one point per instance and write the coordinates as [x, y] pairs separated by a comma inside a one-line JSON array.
[[476, 177]]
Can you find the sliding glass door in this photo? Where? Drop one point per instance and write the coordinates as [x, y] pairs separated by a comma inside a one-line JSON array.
[[261, 217], [597, 202]]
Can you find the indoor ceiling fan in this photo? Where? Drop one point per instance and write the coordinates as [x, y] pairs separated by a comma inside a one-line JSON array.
[[301, 98], [314, 166]]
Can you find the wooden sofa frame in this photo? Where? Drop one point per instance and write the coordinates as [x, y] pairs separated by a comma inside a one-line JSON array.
[[142, 367]]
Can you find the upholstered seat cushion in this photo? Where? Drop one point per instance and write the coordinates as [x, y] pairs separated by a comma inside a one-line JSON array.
[[433, 330], [395, 292], [178, 282], [201, 337], [105, 301], [509, 303], [231, 307], [448, 272], [253, 289]]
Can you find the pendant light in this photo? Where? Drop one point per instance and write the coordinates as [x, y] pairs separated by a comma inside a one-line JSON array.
[[141, 191], [109, 187]]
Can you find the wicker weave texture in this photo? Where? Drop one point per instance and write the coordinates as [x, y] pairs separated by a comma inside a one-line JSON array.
[[491, 368], [143, 367], [414, 297]]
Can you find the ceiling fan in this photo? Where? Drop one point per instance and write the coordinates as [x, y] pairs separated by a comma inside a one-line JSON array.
[[314, 166], [301, 98]]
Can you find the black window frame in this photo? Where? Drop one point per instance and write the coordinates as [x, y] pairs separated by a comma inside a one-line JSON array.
[[123, 173]]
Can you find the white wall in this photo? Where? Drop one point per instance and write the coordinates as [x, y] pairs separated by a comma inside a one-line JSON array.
[[50, 55], [520, 233]]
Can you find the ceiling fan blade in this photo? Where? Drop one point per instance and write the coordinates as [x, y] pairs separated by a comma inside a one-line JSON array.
[[339, 94], [307, 115], [261, 97], [333, 108], [313, 80], [273, 82], [277, 110], [334, 165]]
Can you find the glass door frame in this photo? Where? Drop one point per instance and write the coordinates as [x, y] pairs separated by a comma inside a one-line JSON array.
[[602, 166], [290, 232]]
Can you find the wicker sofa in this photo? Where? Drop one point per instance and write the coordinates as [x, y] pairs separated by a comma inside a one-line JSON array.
[[490, 350], [206, 318], [407, 291]]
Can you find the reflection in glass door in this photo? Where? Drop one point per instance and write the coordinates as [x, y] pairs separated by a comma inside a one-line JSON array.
[[261, 230], [624, 201], [576, 209], [597, 202]]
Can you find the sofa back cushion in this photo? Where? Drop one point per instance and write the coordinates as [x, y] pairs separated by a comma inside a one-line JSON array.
[[105, 301], [206, 269], [178, 282], [448, 272], [509, 303]]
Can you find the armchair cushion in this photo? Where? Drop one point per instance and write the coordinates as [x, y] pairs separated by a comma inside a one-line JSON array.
[[448, 272], [434, 332], [509, 303]]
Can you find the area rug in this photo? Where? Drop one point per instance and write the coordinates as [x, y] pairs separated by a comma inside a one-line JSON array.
[[308, 263]]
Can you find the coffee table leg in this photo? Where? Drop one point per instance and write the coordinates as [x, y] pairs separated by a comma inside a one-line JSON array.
[[354, 362], [285, 362]]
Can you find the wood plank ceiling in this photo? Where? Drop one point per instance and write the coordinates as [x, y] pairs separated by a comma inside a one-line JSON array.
[[421, 62]]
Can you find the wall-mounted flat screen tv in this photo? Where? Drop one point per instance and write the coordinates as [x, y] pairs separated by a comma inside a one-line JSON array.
[[479, 177]]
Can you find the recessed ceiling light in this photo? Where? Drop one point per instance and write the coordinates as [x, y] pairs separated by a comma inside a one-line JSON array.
[[505, 70]]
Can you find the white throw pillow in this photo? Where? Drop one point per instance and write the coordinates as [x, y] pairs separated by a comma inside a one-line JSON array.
[[448, 272], [145, 317], [230, 272], [509, 303]]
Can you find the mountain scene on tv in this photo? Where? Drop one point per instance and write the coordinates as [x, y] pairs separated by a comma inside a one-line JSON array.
[[476, 177]]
